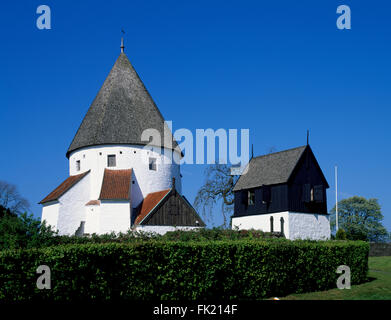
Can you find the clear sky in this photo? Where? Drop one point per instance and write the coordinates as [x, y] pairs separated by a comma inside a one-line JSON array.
[[277, 68]]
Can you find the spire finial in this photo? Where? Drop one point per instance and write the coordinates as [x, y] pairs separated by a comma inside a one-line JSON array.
[[252, 151], [308, 137], [122, 42]]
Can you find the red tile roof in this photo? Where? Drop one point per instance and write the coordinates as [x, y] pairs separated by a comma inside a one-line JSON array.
[[150, 202], [93, 203], [116, 185], [64, 187]]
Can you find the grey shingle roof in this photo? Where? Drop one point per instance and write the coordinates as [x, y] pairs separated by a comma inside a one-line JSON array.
[[273, 168], [120, 112]]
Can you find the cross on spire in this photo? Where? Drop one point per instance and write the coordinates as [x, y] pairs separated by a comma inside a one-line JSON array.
[[122, 41]]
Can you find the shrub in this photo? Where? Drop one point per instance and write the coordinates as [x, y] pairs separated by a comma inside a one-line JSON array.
[[341, 234], [46, 239], [171, 270], [218, 234]]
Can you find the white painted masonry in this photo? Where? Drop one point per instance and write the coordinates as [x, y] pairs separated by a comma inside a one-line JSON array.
[[92, 219], [50, 212], [70, 210], [114, 216], [128, 157], [296, 225]]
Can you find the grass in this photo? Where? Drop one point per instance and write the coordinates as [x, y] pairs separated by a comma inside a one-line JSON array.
[[378, 286]]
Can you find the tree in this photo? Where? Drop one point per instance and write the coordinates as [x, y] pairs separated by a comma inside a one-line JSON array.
[[341, 234], [22, 231], [11, 199], [19, 229], [361, 219], [217, 189]]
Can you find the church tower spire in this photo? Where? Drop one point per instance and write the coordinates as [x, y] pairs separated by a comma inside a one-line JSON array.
[[122, 42], [122, 45]]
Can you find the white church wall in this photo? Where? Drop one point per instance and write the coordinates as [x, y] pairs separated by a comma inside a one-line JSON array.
[[309, 226], [128, 157], [162, 229], [50, 214], [296, 225], [262, 222], [72, 206], [92, 219], [114, 216]]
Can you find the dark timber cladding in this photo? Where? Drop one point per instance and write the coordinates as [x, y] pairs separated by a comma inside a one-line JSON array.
[[289, 180], [173, 210]]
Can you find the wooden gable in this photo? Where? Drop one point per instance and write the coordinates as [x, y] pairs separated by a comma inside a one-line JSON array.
[[173, 210], [293, 180]]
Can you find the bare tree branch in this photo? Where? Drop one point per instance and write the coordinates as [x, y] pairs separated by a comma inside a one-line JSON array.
[[217, 188], [10, 198]]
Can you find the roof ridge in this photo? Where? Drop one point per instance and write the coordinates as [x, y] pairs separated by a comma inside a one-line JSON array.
[[141, 219], [63, 187], [282, 151]]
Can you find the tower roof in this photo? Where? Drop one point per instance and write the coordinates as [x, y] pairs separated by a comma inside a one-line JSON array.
[[120, 112], [273, 168]]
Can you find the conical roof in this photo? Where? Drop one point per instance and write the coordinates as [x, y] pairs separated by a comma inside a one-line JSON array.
[[120, 112]]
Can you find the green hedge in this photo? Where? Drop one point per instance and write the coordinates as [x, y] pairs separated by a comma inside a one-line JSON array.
[[242, 269], [202, 234]]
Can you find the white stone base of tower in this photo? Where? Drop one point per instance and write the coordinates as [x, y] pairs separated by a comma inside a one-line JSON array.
[[296, 225]]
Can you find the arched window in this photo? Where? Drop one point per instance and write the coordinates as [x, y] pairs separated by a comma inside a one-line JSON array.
[[271, 224], [282, 225]]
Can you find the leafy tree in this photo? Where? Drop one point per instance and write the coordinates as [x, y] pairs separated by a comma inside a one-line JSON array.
[[361, 219], [217, 189], [22, 231], [341, 234]]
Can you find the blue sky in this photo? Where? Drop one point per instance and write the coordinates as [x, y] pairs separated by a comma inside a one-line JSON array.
[[276, 68]]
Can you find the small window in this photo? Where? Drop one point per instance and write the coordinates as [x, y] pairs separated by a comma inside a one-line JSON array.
[[111, 160], [318, 193], [244, 197], [306, 195], [152, 164], [77, 165], [282, 225], [266, 194], [312, 194], [251, 198], [271, 224]]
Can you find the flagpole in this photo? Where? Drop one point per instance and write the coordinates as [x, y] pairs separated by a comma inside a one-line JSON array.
[[336, 197]]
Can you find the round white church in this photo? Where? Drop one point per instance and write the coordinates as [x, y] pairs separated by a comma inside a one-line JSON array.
[[117, 181]]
